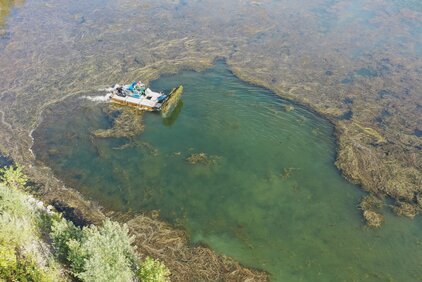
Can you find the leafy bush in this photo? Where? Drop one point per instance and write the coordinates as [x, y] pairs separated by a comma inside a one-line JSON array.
[[96, 253], [108, 253], [62, 232], [13, 203], [13, 177], [153, 271]]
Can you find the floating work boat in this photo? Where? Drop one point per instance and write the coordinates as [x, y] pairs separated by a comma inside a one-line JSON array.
[[138, 96]]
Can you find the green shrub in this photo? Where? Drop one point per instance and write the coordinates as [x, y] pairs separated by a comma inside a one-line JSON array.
[[13, 202], [107, 252], [96, 253], [153, 271], [62, 232], [13, 177]]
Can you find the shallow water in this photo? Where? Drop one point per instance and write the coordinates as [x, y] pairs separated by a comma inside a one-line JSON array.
[[268, 195]]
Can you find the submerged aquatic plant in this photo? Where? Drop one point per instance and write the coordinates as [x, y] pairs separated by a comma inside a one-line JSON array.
[[287, 172], [202, 158], [197, 158], [405, 209], [371, 202], [370, 205], [127, 124], [289, 108], [373, 218]]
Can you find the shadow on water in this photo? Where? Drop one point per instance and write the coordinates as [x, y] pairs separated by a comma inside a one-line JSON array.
[[5, 161], [240, 173]]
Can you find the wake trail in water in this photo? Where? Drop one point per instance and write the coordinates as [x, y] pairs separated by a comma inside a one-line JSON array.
[[98, 99]]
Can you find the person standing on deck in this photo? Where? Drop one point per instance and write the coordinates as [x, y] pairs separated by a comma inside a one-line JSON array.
[[140, 87]]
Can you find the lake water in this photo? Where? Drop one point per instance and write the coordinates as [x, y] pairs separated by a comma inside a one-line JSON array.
[[266, 193]]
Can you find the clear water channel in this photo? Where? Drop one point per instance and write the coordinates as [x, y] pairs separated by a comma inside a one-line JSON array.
[[265, 190]]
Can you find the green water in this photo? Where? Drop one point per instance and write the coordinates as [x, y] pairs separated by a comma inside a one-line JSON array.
[[268, 196]]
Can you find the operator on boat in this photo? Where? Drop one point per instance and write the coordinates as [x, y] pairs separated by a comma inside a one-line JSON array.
[[140, 87]]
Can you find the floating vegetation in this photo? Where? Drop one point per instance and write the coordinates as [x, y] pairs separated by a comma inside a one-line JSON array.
[[202, 158], [198, 158], [370, 205], [363, 160], [405, 209], [177, 154], [419, 200], [149, 148], [289, 108], [371, 202], [373, 219], [373, 133], [158, 239], [127, 124]]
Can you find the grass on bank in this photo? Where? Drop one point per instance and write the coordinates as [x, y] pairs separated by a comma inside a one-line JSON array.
[[38, 244]]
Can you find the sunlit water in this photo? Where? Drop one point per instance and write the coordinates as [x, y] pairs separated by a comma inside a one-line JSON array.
[[269, 194]]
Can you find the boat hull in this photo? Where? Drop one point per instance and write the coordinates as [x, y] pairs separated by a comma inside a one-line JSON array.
[[140, 104]]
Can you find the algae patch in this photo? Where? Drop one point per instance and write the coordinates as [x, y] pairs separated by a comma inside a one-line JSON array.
[[202, 158], [127, 124]]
